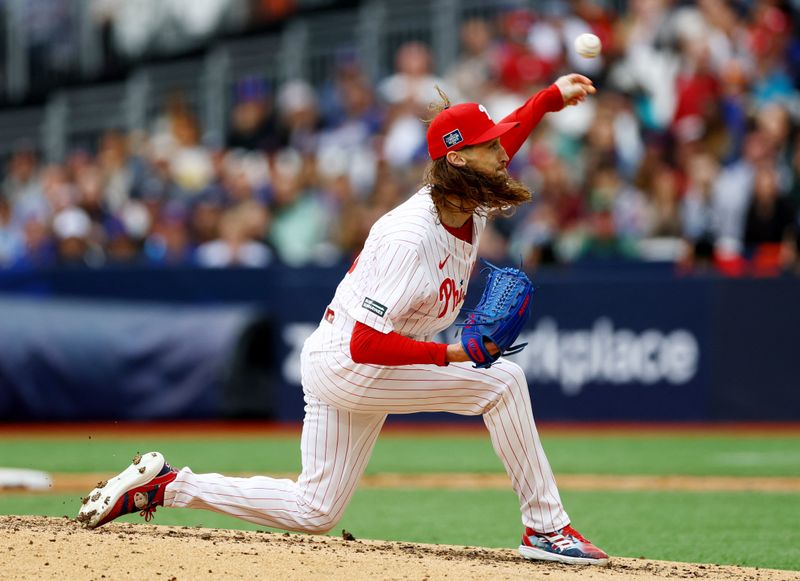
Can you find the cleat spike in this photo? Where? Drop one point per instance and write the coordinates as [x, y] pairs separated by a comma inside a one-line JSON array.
[[139, 488], [85, 517]]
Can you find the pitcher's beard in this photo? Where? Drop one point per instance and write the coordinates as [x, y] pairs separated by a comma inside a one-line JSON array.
[[465, 190], [490, 194]]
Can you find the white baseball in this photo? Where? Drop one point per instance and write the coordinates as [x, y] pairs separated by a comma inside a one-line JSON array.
[[588, 45]]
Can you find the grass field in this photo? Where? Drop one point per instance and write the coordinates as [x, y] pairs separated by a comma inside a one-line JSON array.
[[743, 528]]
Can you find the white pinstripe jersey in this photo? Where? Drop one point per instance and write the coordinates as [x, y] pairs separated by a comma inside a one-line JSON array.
[[411, 277]]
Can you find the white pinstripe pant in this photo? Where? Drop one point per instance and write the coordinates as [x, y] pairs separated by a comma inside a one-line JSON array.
[[346, 405]]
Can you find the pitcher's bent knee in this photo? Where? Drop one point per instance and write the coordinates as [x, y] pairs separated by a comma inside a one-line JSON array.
[[318, 529], [317, 521]]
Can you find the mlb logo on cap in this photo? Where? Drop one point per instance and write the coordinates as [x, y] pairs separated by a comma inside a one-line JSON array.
[[453, 138], [462, 125]]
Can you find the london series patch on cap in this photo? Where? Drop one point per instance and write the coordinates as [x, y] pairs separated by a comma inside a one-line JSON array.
[[453, 138]]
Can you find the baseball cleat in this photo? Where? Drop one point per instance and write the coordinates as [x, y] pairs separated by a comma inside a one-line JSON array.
[[140, 487], [565, 546]]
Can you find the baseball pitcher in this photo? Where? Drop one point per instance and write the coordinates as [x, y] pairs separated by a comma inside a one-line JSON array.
[[373, 355]]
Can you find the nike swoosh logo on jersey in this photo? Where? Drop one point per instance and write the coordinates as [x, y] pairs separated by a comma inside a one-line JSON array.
[[443, 262]]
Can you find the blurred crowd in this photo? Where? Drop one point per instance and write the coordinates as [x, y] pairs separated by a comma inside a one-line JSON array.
[[688, 154], [65, 39]]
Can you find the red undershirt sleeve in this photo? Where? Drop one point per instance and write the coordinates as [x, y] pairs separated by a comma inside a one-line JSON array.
[[368, 345], [528, 116]]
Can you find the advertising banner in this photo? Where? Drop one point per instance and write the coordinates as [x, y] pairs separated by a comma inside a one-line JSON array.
[[645, 346]]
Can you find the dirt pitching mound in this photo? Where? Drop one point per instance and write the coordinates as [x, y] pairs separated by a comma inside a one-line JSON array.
[[51, 548]]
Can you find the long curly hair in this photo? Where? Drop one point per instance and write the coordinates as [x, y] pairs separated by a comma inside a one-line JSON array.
[[462, 189]]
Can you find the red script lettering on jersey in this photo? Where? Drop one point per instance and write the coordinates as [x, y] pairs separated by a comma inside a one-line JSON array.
[[447, 291]]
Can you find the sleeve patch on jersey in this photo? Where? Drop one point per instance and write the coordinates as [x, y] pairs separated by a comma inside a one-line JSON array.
[[374, 306]]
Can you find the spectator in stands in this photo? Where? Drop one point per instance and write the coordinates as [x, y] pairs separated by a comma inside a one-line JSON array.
[[126, 232], [602, 241], [408, 94], [775, 123], [168, 243], [191, 164], [559, 190], [205, 214], [697, 94], [120, 247], [349, 98], [629, 141], [770, 232], [11, 240], [664, 205], [413, 83], [351, 230], [535, 240], [346, 155], [89, 194], [242, 176], [253, 120], [647, 68], [494, 244], [556, 215], [601, 140], [733, 190], [644, 25], [40, 248], [769, 37], [734, 104], [21, 181], [725, 30], [698, 218], [389, 189], [794, 188], [152, 177], [116, 172], [627, 205], [299, 228], [56, 193], [472, 74], [520, 69], [235, 245], [299, 121], [663, 237], [75, 246]]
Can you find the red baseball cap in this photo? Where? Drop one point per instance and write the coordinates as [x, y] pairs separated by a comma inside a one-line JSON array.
[[462, 125]]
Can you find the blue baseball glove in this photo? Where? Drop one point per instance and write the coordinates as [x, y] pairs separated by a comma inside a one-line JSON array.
[[499, 317]]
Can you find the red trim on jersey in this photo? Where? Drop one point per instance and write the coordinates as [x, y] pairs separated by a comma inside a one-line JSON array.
[[368, 345], [528, 116], [355, 263], [463, 232]]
